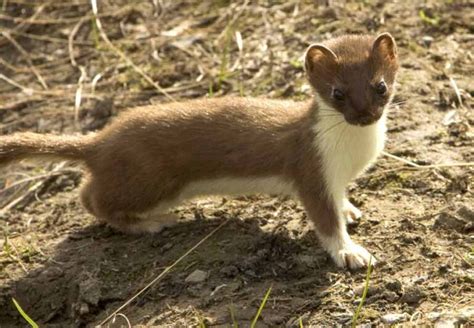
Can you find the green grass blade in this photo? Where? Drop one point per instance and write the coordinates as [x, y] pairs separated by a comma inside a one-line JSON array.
[[232, 317], [201, 322], [301, 323], [24, 315], [432, 21], [260, 309], [364, 294]]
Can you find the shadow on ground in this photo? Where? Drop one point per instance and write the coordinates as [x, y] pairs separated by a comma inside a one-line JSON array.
[[95, 270]]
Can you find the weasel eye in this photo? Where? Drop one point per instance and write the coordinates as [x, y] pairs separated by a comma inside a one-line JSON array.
[[338, 94], [381, 88]]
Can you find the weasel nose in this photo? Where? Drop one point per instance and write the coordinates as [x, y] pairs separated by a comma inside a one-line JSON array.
[[369, 118], [364, 120]]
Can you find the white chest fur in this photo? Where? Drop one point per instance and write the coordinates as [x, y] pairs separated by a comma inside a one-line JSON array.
[[346, 150]]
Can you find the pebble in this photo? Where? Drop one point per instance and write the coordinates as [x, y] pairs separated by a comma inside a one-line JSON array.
[[413, 295], [89, 291], [196, 276], [167, 246], [83, 309], [427, 41], [230, 271], [466, 213], [446, 323], [391, 318], [311, 261], [448, 221], [394, 285], [452, 319]]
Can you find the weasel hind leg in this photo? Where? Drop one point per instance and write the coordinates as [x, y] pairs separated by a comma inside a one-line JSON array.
[[120, 215], [133, 224]]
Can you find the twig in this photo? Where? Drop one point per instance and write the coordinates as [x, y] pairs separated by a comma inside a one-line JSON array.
[[71, 37], [16, 105], [456, 90], [129, 325], [415, 166], [420, 167], [33, 188], [28, 21], [78, 96], [54, 93], [10, 66], [46, 38], [36, 177], [235, 16], [26, 90], [16, 257], [400, 159], [162, 274], [27, 57], [122, 55]]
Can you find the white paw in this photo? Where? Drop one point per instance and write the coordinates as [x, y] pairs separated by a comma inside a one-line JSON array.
[[155, 225], [350, 212], [353, 256]]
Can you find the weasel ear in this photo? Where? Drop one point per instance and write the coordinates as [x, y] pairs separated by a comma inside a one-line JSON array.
[[384, 47], [318, 55]]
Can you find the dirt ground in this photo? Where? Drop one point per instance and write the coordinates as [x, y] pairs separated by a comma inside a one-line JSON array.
[[57, 74]]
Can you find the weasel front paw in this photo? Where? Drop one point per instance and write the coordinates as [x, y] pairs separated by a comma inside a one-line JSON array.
[[353, 256], [350, 212]]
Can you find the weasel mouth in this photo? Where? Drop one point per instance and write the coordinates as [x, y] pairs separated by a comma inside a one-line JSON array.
[[363, 120]]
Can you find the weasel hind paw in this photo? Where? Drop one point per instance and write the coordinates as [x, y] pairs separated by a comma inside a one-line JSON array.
[[354, 256], [152, 225]]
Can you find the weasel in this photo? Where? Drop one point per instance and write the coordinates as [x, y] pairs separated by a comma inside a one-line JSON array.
[[152, 158]]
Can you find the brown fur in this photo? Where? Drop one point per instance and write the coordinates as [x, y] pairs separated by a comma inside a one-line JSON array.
[[149, 154], [354, 64]]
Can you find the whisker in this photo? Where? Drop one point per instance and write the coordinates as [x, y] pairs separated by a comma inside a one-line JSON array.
[[340, 137], [327, 110], [330, 128], [330, 115]]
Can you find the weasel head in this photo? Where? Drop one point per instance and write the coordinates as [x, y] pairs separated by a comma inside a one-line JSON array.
[[354, 75]]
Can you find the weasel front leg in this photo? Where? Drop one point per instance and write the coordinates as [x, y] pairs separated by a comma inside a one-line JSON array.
[[350, 212], [331, 229]]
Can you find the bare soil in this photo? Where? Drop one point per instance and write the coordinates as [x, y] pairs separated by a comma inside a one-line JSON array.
[[65, 269]]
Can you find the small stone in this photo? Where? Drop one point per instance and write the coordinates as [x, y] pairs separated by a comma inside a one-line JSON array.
[[84, 309], [196, 276], [343, 317], [413, 295], [469, 227], [427, 40], [433, 316], [449, 322], [229, 271], [448, 221], [394, 285], [390, 296], [166, 246], [373, 290], [294, 321], [392, 318], [466, 213], [89, 291], [452, 319], [310, 261]]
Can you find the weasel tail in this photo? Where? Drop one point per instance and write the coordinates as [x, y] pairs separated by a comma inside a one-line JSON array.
[[33, 145]]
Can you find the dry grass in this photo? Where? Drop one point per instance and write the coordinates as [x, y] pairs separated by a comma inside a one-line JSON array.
[[69, 67]]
